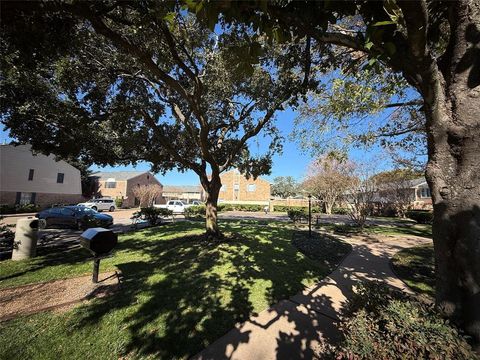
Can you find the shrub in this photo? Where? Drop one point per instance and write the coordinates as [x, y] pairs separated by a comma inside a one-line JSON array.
[[195, 211], [18, 209], [224, 207], [420, 216], [153, 215], [6, 240], [297, 214], [239, 207], [340, 211], [386, 324], [283, 208], [118, 202]]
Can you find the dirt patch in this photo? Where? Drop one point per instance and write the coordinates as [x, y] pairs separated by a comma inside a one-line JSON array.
[[58, 295]]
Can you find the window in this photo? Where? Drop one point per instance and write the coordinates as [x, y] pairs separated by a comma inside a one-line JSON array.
[[236, 187], [251, 187], [30, 174], [60, 177], [223, 188], [25, 198], [425, 193], [110, 184]]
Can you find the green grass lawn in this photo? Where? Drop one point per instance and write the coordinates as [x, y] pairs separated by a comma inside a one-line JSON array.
[[179, 293], [416, 267]]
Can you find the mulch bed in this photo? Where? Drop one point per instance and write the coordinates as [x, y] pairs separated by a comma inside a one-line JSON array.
[[321, 247], [58, 295]]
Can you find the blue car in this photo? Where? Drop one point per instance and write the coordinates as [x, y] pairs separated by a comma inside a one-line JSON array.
[[76, 217]]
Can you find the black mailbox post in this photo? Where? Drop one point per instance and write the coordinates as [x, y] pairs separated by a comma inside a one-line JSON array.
[[100, 242]]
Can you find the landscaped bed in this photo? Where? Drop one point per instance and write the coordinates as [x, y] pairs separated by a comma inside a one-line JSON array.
[[416, 267], [179, 293]]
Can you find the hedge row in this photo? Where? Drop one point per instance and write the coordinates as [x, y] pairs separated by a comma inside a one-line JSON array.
[[240, 207], [283, 208], [18, 209], [195, 211], [420, 216]]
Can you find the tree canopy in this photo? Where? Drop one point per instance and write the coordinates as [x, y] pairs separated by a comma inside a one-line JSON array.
[[284, 186], [123, 82], [328, 178], [433, 46]]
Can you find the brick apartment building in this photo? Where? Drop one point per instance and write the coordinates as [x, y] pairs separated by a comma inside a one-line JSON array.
[[237, 189], [120, 184]]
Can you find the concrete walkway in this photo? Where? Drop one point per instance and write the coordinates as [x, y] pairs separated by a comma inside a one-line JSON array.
[[300, 328]]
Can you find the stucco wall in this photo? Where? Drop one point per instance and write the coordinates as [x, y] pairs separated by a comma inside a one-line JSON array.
[[16, 162]]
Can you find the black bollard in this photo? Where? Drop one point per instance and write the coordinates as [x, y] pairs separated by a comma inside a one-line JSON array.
[[96, 267]]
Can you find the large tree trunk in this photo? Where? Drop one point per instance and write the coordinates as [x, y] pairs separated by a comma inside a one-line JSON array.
[[328, 207], [212, 189], [452, 107]]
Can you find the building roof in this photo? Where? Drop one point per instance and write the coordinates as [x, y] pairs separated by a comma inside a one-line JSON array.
[[182, 189], [117, 175], [416, 182], [408, 184]]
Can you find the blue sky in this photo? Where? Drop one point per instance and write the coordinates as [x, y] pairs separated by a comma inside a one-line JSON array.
[[292, 162]]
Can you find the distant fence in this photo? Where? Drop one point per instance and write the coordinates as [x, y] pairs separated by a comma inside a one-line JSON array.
[[282, 203]]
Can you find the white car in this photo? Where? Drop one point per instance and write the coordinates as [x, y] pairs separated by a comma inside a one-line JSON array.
[[176, 206], [100, 204]]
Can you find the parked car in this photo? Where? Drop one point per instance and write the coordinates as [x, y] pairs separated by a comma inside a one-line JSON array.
[[197, 203], [177, 206], [77, 217], [100, 204]]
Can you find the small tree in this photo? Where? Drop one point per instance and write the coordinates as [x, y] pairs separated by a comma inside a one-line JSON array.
[[361, 194], [328, 178], [147, 194], [284, 186]]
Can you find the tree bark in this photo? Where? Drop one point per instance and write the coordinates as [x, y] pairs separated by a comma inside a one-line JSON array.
[[452, 108], [328, 207], [212, 190]]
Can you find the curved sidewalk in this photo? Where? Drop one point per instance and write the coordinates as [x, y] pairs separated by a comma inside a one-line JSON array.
[[300, 327]]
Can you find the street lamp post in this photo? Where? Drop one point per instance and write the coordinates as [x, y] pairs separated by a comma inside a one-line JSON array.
[[309, 215]]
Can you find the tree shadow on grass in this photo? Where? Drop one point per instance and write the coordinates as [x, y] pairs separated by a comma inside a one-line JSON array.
[[188, 293], [58, 256]]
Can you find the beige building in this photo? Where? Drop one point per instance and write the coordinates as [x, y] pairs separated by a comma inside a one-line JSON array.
[[422, 196], [120, 184], [187, 193], [237, 189], [26, 178], [416, 191]]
